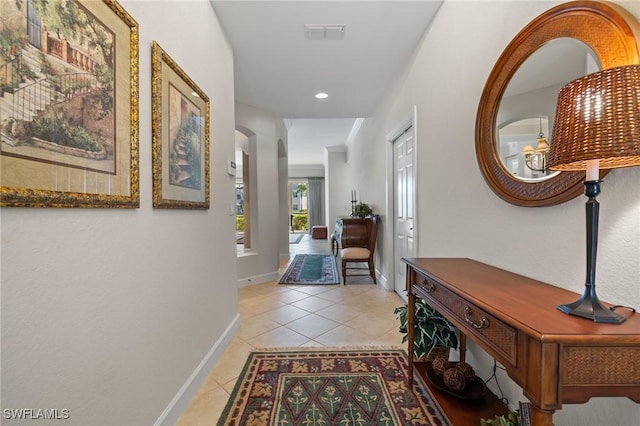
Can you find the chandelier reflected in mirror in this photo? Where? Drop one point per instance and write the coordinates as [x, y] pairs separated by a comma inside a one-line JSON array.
[[536, 159]]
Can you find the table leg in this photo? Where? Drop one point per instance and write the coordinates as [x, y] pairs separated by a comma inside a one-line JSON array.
[[463, 347], [411, 304], [540, 417]]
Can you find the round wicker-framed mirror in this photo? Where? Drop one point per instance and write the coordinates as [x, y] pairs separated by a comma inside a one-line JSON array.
[[612, 33]]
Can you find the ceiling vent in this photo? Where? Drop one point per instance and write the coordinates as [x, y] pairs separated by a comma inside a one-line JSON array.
[[324, 32]]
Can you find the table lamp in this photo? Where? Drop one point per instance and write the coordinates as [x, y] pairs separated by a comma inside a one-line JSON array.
[[597, 126]]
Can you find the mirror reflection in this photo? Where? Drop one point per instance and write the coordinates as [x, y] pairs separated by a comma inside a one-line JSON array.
[[528, 105], [524, 146]]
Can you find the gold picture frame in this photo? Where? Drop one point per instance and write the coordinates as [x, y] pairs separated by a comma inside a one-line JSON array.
[[180, 134], [69, 122]]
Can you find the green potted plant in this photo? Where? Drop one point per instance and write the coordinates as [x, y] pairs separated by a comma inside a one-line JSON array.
[[512, 419], [431, 328], [362, 210]]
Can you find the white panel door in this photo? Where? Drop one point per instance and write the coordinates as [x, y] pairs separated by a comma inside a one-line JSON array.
[[404, 208]]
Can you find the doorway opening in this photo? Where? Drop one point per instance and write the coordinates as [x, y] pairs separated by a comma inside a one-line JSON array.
[[298, 209], [242, 192], [306, 205]]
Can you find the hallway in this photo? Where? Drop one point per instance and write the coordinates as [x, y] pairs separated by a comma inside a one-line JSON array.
[[276, 316]]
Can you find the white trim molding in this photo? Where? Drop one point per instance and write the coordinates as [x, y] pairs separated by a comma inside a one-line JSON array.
[[257, 279], [183, 398]]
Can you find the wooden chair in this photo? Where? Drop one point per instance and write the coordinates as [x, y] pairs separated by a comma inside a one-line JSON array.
[[361, 254]]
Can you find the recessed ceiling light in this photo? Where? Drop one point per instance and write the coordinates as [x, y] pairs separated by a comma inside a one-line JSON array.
[[322, 95]]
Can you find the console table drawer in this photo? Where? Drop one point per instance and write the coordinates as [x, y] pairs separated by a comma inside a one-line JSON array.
[[496, 334]]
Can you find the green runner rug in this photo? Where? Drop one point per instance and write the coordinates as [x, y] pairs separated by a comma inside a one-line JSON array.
[[312, 269]]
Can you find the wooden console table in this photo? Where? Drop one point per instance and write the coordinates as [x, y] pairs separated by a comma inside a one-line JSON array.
[[556, 358], [350, 232]]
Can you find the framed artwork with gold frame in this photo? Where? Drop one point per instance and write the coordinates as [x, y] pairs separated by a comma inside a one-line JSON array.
[[180, 128], [69, 113]]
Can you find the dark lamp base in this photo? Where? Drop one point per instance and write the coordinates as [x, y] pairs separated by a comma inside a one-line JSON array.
[[588, 306]]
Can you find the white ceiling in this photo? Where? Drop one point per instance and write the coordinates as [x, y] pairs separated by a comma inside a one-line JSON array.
[[310, 136], [556, 63], [278, 70]]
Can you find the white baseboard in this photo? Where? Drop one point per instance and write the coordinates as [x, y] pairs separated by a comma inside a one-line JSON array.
[[180, 402], [382, 280], [243, 282]]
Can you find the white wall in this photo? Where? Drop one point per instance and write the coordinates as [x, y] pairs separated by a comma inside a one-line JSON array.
[[337, 186], [367, 166], [107, 313], [283, 201], [459, 215], [302, 171], [262, 263]]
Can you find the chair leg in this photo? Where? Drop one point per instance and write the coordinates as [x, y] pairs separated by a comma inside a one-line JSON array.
[[344, 272], [372, 271]]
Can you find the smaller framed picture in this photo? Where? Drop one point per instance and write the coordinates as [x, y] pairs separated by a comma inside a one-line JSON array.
[[180, 133]]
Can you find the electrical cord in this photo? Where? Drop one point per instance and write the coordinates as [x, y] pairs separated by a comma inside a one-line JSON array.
[[613, 308], [504, 400]]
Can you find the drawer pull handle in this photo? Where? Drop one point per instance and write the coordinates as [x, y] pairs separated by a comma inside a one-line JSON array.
[[427, 286], [483, 323]]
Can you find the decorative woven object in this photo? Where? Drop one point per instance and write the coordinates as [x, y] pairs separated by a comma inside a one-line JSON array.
[[440, 365], [598, 117], [467, 370], [438, 352], [454, 379]]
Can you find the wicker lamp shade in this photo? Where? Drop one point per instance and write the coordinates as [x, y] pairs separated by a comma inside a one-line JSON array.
[[598, 117]]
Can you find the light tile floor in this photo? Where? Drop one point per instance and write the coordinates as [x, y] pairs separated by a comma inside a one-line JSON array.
[[277, 316]]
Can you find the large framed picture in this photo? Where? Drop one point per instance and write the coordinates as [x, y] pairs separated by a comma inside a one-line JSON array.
[[180, 128], [68, 104]]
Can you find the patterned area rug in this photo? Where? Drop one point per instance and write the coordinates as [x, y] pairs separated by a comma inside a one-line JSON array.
[[312, 269], [322, 388]]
